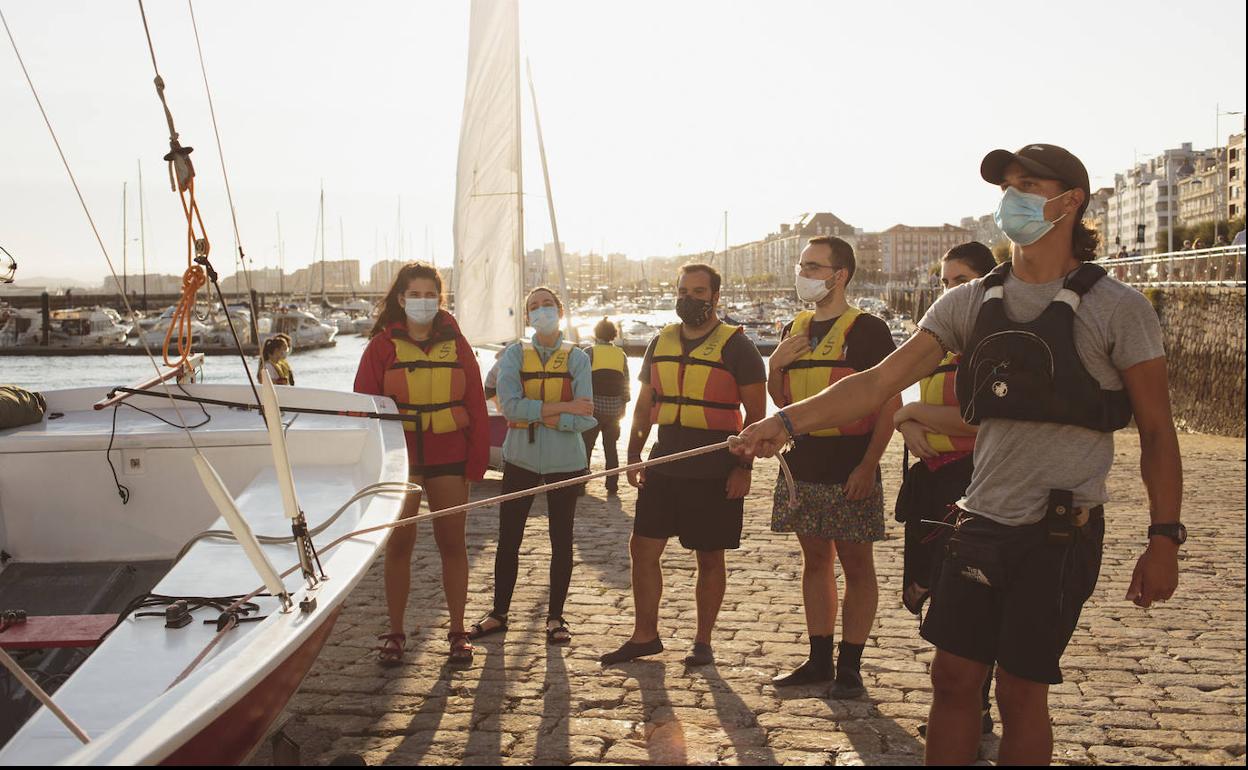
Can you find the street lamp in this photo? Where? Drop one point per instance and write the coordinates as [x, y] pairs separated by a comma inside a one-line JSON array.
[[1217, 128]]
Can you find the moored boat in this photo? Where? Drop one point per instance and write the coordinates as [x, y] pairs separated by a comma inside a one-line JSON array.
[[127, 695]]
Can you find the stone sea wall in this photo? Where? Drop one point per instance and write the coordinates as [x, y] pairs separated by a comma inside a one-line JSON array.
[[1204, 336]]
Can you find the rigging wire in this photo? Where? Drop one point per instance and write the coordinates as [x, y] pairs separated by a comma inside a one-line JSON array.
[[134, 316]]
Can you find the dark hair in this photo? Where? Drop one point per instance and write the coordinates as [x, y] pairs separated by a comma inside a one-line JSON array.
[[1085, 241], [535, 290], [842, 253], [702, 267], [974, 255], [391, 311], [605, 330], [271, 344]]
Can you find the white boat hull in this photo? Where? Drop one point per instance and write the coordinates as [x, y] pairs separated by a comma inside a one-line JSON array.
[[121, 695]]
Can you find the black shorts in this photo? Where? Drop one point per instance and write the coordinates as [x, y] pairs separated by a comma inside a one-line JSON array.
[[1006, 594], [696, 510], [433, 471]]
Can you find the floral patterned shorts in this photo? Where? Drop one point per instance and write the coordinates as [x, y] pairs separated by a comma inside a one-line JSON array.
[[823, 511]]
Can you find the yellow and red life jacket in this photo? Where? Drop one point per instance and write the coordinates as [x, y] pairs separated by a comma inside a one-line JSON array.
[[823, 365], [550, 382], [695, 390], [940, 389], [430, 385]]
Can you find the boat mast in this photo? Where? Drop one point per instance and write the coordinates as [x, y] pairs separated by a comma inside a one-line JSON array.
[[324, 298], [124, 280], [142, 235], [727, 263], [550, 202], [519, 247], [281, 259]]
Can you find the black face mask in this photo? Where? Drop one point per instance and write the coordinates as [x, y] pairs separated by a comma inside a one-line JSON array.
[[693, 311]]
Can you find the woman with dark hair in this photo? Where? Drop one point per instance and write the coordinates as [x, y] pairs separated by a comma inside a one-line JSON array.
[[545, 391], [609, 366], [944, 444], [273, 360], [417, 356]]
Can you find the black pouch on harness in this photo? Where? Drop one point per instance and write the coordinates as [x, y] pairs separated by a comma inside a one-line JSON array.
[[974, 557], [1014, 371]]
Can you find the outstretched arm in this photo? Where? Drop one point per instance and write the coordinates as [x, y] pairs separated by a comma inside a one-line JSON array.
[[846, 400]]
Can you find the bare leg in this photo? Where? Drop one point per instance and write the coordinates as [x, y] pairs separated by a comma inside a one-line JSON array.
[[862, 594], [448, 533], [712, 583], [646, 553], [1026, 734], [398, 569], [953, 722], [819, 584]]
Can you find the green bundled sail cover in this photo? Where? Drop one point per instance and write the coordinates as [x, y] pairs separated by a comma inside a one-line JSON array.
[[19, 406]]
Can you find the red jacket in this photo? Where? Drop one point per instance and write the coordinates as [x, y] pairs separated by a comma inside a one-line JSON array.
[[470, 446]]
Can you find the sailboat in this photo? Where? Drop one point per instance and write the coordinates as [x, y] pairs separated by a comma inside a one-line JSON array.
[[151, 538], [489, 195]]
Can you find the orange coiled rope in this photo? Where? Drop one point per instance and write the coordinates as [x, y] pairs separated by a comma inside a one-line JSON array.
[[182, 180], [182, 175]]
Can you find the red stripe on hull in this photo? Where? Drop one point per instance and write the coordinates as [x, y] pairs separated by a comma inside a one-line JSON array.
[[231, 738]]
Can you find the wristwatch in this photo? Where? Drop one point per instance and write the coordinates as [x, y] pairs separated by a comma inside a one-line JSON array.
[[1176, 532]]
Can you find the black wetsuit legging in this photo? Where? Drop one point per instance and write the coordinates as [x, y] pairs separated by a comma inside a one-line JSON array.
[[513, 515]]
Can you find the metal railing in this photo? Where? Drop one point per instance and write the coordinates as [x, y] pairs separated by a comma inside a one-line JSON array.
[[1222, 266]]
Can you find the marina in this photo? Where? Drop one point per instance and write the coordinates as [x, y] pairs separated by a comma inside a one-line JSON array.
[[878, 483]]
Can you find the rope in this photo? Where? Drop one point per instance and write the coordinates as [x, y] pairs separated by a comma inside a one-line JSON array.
[[181, 181], [491, 501], [42, 696]]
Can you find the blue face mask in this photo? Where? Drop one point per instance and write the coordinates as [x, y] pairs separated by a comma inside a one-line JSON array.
[[1020, 216], [544, 319]]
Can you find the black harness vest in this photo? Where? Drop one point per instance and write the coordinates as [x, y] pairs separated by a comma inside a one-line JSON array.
[[1032, 371]]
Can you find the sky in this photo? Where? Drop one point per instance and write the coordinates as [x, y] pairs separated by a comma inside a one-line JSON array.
[[658, 116]]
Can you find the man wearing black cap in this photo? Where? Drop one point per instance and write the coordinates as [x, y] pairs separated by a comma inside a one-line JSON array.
[[1056, 357]]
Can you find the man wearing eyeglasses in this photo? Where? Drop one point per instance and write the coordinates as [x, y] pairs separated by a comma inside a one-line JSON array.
[[840, 503]]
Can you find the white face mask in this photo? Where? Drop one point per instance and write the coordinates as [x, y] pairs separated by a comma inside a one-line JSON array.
[[421, 311], [811, 289]]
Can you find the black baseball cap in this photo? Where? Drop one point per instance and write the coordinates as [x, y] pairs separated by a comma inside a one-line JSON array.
[[1047, 161]]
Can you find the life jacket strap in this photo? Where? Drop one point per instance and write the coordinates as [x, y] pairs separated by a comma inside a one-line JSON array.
[[686, 401]]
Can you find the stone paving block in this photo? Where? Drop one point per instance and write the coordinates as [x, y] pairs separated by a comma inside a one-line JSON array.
[[1163, 685]]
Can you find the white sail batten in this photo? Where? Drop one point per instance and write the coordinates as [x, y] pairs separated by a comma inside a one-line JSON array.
[[489, 220]]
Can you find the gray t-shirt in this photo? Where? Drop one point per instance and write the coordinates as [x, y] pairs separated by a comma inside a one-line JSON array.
[[1018, 462]]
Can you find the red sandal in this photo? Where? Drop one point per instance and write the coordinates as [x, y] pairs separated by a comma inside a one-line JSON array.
[[461, 649], [390, 653]]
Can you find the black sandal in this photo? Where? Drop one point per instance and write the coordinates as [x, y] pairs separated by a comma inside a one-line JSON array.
[[479, 630], [390, 653], [560, 634]]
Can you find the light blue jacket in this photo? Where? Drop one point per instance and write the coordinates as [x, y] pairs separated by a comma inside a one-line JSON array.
[[553, 450]]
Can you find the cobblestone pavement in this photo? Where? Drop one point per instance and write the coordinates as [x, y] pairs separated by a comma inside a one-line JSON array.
[[1164, 685]]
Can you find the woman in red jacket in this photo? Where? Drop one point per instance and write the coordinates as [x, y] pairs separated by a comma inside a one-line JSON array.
[[417, 356]]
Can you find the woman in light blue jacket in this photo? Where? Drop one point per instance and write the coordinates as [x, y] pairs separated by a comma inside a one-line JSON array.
[[546, 392]]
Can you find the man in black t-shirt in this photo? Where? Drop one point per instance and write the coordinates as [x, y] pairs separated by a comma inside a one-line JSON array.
[[840, 501], [695, 377]]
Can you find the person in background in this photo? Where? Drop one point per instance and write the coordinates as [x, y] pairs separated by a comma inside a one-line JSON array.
[[944, 446], [697, 375], [840, 500], [417, 356], [546, 392], [609, 365], [273, 360]]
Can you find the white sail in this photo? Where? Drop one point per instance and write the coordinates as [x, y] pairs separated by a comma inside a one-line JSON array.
[[489, 220]]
